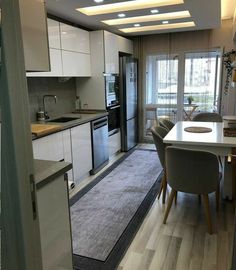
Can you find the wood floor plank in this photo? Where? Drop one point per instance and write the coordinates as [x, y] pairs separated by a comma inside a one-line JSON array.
[[133, 261], [186, 247], [171, 258], [161, 252]]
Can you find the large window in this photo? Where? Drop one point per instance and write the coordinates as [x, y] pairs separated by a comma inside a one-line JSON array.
[[202, 80], [179, 86]]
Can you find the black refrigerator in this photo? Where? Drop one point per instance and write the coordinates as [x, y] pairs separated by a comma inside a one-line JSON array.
[[128, 102]]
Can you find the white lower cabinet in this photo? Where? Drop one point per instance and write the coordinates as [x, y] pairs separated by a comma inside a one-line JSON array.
[[54, 224], [114, 144], [49, 147], [67, 151], [81, 151]]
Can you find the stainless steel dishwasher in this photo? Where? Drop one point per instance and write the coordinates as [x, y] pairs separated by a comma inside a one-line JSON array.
[[99, 130]]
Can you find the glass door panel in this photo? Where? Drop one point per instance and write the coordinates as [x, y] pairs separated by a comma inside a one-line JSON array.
[[161, 89], [201, 90]]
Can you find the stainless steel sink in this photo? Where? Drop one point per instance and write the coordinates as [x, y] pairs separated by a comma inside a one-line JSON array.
[[63, 119]]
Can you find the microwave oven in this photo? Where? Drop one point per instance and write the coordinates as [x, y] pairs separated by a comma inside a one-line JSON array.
[[112, 90]]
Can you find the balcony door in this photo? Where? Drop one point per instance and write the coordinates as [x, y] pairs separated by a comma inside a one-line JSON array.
[[180, 86]]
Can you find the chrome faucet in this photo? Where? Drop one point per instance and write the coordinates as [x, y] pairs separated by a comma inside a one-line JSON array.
[[44, 107]]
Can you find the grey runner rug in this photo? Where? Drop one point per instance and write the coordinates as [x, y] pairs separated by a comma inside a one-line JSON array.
[[100, 215]]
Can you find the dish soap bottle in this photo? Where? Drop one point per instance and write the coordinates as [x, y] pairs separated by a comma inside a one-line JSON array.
[[77, 103]]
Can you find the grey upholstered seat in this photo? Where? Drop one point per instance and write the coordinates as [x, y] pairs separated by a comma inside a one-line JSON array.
[[195, 172], [158, 134], [208, 117], [166, 124]]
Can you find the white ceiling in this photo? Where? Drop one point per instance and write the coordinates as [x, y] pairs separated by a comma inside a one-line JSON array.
[[205, 13]]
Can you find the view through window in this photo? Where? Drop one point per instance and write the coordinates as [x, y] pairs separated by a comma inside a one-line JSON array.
[[165, 95]]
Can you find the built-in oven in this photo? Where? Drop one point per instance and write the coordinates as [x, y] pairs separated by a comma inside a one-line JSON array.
[[112, 89], [113, 119]]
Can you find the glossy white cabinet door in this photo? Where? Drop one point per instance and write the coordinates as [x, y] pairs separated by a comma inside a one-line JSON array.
[[54, 224], [111, 53], [35, 36], [67, 151], [54, 34], [81, 151], [125, 45], [56, 66], [76, 64], [74, 39], [49, 147]]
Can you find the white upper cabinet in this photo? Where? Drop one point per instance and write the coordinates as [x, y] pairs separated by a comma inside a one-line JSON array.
[[56, 66], [125, 45], [54, 34], [76, 64], [34, 34], [74, 39], [69, 52], [111, 53]]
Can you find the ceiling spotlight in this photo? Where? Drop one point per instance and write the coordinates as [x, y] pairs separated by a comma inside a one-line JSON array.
[[136, 25], [153, 11], [121, 15], [98, 1], [165, 22]]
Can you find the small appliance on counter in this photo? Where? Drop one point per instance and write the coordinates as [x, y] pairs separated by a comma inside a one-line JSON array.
[[229, 125]]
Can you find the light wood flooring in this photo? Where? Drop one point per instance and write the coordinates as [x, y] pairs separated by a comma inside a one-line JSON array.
[[183, 243]]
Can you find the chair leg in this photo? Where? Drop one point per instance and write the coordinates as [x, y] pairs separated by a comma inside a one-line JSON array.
[[161, 188], [164, 189], [176, 196], [207, 212], [218, 198], [170, 201]]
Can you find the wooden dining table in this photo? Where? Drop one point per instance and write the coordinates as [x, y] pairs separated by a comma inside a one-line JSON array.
[[213, 141]]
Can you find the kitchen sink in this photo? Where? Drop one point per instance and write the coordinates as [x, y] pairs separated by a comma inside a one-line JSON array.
[[63, 119]]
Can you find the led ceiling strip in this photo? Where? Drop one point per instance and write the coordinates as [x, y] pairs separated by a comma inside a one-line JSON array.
[[157, 27], [127, 6], [150, 18]]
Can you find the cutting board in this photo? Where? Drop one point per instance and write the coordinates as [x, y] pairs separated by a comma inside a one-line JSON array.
[[42, 129]]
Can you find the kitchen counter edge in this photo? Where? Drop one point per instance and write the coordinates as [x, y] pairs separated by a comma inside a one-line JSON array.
[[85, 118], [47, 171]]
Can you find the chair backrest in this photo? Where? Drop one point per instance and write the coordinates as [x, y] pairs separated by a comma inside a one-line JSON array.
[[158, 134], [166, 124], [208, 117], [192, 171]]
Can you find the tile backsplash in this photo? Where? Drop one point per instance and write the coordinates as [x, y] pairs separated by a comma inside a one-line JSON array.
[[65, 92]]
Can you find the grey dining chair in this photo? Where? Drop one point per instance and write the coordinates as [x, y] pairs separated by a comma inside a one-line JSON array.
[[166, 124], [195, 172], [158, 134], [208, 117]]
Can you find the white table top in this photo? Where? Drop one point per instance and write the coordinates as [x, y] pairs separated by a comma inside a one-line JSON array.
[[177, 135]]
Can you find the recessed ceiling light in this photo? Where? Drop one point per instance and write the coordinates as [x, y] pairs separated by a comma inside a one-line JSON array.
[[127, 5], [121, 15], [136, 25], [98, 1], [158, 27], [64, 32], [150, 18], [154, 11], [165, 22]]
